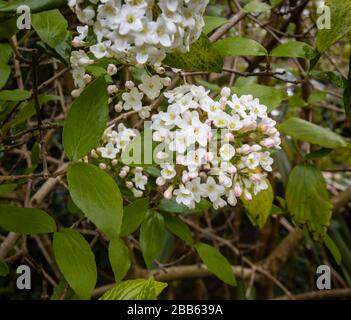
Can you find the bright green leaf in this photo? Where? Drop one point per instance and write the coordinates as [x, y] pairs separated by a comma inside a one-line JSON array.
[[172, 206], [133, 215], [216, 263], [330, 244], [118, 254], [34, 5], [86, 120], [5, 72], [259, 208], [76, 261], [212, 22], [151, 236], [257, 7], [236, 46], [179, 228], [308, 200], [293, 49], [306, 131], [25, 220], [138, 289], [14, 95], [97, 195]]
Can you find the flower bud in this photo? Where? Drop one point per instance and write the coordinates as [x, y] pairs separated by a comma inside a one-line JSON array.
[[225, 92], [129, 184], [247, 195], [129, 84], [112, 89], [166, 81], [160, 70], [111, 69], [168, 193], [114, 162], [238, 191], [102, 166], [137, 193], [118, 107], [160, 181], [87, 78]]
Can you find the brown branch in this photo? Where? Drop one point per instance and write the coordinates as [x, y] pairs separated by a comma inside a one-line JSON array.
[[344, 293]]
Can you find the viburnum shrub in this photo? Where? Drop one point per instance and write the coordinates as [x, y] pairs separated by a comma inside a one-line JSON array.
[[147, 142]]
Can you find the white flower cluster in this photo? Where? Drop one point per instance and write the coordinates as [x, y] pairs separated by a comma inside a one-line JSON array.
[[138, 31], [207, 167], [114, 142]]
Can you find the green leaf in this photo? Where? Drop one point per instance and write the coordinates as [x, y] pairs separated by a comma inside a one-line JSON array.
[[5, 72], [138, 289], [212, 22], [151, 237], [6, 188], [34, 5], [97, 195], [8, 28], [15, 95], [257, 7], [76, 261], [4, 269], [179, 228], [308, 200], [317, 96], [216, 263], [312, 133], [340, 24], [330, 244], [202, 56], [118, 254], [133, 215], [51, 26], [335, 77], [5, 53], [318, 154], [171, 205], [269, 96], [275, 3], [25, 220], [293, 49], [86, 120], [259, 208], [347, 95], [236, 46]]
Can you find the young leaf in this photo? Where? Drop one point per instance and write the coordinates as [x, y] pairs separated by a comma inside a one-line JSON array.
[[138, 289], [236, 46], [98, 196], [14, 95], [212, 22], [133, 215], [308, 200], [151, 236], [216, 263], [118, 254], [269, 96], [171, 205], [25, 220], [293, 49], [257, 7], [51, 26], [259, 208], [202, 56], [86, 120], [76, 261], [340, 24], [179, 228], [306, 131]]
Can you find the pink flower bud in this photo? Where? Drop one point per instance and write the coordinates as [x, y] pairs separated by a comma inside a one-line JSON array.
[[168, 193], [237, 191], [129, 84]]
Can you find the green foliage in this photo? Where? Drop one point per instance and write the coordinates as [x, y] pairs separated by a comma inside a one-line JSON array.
[[51, 26], [34, 5], [25, 220], [118, 254], [86, 120], [216, 263], [151, 237], [213, 22], [98, 196], [76, 261], [179, 228], [308, 200], [257, 7], [294, 49], [340, 24], [4, 269], [259, 208], [347, 95], [5, 70], [171, 205], [202, 56], [138, 289], [269, 96], [133, 215], [6, 188], [237, 46], [306, 131], [330, 244], [335, 77], [14, 95]]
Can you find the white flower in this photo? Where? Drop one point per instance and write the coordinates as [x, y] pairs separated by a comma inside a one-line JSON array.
[[100, 50], [168, 172], [211, 189], [151, 86], [195, 187], [132, 100], [252, 160], [184, 196], [266, 161], [227, 152], [109, 151], [129, 19], [140, 180]]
